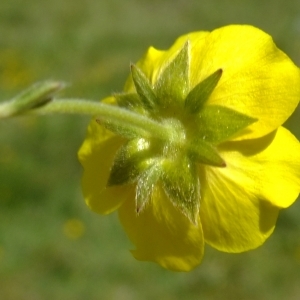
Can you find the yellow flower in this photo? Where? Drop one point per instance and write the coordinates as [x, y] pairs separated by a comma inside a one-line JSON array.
[[227, 166]]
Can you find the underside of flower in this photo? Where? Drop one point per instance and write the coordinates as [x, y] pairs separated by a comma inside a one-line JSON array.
[[193, 151], [194, 131]]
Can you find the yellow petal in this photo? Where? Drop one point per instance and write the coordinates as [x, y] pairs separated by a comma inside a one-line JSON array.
[[241, 202], [96, 156], [232, 219], [270, 165], [163, 234], [258, 79]]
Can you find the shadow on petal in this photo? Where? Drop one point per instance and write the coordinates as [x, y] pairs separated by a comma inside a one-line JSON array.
[[249, 147], [267, 217]]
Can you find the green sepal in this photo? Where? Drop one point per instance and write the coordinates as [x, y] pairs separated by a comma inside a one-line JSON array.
[[143, 88], [130, 160], [204, 153], [218, 123], [129, 132], [173, 83], [130, 101], [181, 185], [198, 96], [145, 185]]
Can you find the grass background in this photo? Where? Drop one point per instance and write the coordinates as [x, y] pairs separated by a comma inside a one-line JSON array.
[[51, 245]]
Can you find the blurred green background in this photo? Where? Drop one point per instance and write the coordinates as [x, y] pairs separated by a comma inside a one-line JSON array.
[[51, 245]]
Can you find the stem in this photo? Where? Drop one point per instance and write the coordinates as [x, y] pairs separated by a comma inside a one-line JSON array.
[[114, 114]]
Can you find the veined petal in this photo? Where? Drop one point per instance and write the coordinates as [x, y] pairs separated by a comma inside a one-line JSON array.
[[96, 156], [163, 234], [258, 79], [233, 220], [241, 202], [270, 165]]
